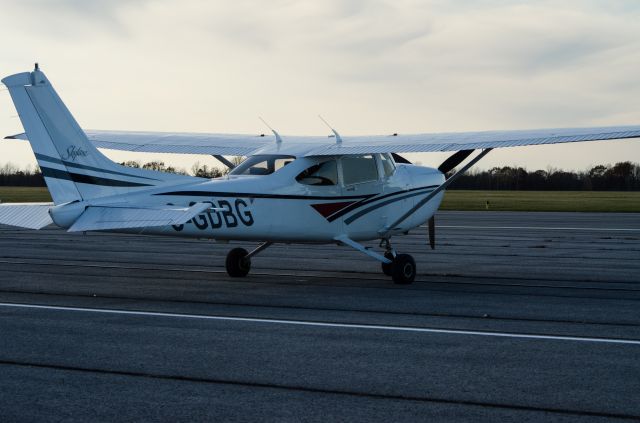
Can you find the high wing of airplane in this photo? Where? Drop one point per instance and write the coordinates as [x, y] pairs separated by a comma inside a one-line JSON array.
[[289, 189]]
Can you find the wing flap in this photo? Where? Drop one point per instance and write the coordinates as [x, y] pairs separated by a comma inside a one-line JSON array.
[[180, 143], [175, 143], [97, 218], [26, 215]]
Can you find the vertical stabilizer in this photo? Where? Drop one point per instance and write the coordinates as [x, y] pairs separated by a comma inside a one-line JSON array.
[[72, 167], [62, 189]]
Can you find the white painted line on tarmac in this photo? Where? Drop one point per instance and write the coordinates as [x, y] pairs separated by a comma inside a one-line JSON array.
[[325, 324], [542, 228]]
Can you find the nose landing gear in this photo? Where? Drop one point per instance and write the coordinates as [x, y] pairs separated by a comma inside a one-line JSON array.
[[402, 268]]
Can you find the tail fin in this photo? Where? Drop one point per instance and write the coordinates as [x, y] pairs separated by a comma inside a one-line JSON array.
[[72, 167]]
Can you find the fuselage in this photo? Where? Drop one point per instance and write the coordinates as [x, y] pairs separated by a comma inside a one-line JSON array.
[[281, 199]]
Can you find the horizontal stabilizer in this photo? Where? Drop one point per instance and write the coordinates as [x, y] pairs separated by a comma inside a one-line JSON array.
[[98, 218], [21, 136], [26, 215]]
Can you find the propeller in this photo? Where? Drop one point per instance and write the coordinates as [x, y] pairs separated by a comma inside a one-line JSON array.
[[432, 232], [454, 160], [446, 166]]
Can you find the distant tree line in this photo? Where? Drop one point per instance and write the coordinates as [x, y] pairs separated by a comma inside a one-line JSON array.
[[156, 165], [11, 175], [199, 170], [623, 176]]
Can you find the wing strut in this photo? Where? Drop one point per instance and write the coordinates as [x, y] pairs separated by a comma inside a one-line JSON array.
[[433, 193], [224, 161], [259, 248]]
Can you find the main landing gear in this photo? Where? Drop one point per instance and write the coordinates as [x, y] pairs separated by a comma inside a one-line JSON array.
[[238, 261], [402, 268]]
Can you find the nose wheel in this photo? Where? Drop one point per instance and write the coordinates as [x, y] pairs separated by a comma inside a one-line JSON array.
[[402, 268]]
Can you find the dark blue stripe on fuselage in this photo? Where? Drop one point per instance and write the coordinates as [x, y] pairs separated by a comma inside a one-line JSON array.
[[371, 200], [48, 172], [256, 195], [81, 166], [361, 213]]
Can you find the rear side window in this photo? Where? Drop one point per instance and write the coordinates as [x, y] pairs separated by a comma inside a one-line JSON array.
[[325, 173], [359, 169]]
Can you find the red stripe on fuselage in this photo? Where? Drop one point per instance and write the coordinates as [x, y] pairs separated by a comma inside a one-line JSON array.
[[327, 209]]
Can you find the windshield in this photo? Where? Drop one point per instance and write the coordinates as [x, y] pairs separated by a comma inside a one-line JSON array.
[[264, 164]]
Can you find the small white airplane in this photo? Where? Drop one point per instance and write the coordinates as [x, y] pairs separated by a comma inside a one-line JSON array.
[[290, 189]]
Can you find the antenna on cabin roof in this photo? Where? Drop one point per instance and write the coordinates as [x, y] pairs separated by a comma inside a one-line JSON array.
[[338, 137], [36, 67], [278, 138]]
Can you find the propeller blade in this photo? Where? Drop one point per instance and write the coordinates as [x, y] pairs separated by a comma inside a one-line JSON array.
[[399, 159], [432, 232], [454, 160]]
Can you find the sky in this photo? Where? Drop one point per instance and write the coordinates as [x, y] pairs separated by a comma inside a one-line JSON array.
[[367, 66]]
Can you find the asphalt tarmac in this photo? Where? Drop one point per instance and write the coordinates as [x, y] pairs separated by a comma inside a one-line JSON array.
[[514, 317]]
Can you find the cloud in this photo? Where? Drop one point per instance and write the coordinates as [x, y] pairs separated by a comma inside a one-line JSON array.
[[65, 19], [374, 66], [93, 9]]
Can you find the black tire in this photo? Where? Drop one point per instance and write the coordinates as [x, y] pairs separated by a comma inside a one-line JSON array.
[[237, 265], [387, 268], [404, 269]]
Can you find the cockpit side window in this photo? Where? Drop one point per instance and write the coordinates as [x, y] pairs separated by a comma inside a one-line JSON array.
[[359, 169], [325, 173], [262, 165]]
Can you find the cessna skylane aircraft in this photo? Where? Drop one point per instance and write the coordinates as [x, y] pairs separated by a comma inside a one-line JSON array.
[[289, 189]]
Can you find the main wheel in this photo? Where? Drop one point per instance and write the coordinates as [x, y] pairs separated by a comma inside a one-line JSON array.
[[403, 269], [387, 268], [237, 264]]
